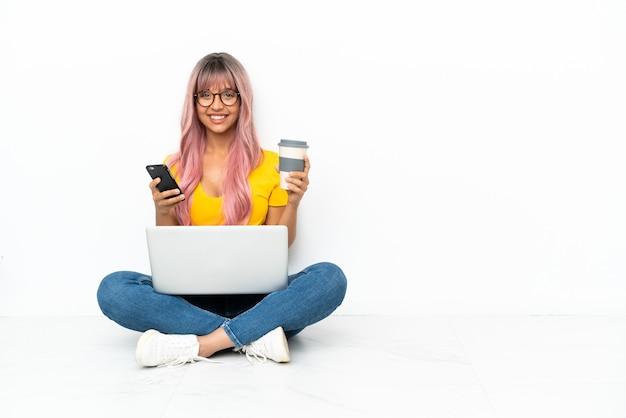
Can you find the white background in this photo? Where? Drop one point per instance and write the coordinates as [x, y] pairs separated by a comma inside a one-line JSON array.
[[467, 156]]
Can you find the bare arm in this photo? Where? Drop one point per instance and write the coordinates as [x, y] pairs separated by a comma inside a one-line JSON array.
[[288, 215]]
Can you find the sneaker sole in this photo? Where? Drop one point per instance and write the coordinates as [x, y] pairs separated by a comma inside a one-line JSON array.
[[285, 358], [140, 345]]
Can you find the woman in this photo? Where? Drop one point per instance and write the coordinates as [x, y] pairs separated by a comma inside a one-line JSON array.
[[225, 178]]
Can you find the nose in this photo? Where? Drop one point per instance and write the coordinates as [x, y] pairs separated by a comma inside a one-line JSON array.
[[217, 102]]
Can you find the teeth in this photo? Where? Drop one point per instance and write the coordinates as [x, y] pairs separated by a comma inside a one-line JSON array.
[[218, 117]]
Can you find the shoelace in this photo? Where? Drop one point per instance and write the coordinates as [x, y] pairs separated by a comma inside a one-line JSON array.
[[253, 350]]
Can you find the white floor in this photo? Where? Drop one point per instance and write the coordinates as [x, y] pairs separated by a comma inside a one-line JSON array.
[[345, 366]]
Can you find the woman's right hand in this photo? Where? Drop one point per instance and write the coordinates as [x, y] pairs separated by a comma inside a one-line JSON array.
[[165, 201]]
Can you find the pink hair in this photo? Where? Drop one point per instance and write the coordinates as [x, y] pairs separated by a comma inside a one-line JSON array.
[[245, 151]]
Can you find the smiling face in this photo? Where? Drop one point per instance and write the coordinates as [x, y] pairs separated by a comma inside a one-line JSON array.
[[220, 120], [217, 117]]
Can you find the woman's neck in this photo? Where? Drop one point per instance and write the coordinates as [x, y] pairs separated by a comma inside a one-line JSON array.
[[218, 144]]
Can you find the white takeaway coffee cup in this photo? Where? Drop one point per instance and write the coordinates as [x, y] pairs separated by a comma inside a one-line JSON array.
[[291, 155]]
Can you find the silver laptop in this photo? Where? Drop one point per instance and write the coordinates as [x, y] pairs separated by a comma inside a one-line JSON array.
[[218, 260]]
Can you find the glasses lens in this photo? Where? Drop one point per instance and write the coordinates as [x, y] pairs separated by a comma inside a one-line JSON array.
[[204, 98], [229, 97]]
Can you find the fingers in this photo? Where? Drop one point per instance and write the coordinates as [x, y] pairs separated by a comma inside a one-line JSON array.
[[297, 184], [165, 202], [167, 199], [298, 181]]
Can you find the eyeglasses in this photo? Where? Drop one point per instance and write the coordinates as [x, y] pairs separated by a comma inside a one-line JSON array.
[[228, 97]]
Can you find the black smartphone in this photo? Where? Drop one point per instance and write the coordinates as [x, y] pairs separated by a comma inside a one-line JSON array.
[[167, 180]]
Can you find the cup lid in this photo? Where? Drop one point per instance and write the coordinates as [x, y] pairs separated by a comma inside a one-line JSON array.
[[292, 143]]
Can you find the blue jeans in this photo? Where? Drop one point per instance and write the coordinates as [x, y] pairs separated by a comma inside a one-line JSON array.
[[128, 298]]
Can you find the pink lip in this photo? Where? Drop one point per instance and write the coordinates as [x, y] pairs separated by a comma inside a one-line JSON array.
[[217, 121]]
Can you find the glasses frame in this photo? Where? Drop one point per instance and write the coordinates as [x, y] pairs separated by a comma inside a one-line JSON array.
[[195, 96]]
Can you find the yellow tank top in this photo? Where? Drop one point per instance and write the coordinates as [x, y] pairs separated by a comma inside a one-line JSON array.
[[265, 185]]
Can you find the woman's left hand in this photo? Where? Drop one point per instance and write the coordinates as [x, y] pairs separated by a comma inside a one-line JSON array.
[[298, 182]]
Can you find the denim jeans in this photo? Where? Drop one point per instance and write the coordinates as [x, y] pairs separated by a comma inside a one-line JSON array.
[[128, 299]]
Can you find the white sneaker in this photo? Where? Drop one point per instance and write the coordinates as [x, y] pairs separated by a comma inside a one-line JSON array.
[[157, 349], [272, 345]]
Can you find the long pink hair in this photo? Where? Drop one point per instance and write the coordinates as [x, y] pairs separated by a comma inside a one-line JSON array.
[[245, 150]]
